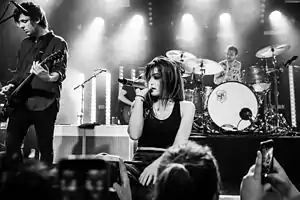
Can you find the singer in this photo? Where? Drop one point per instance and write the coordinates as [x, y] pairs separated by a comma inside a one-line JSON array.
[[232, 67], [41, 104], [159, 119]]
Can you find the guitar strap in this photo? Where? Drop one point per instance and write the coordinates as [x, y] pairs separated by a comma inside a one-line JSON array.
[[41, 50]]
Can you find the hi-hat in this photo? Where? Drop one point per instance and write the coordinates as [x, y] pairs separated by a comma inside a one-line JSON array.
[[180, 56], [269, 51], [202, 66]]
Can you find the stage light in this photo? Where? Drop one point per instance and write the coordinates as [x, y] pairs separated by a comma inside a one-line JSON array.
[[275, 15], [225, 18], [137, 20], [188, 30], [187, 18], [93, 100], [108, 98], [130, 41]]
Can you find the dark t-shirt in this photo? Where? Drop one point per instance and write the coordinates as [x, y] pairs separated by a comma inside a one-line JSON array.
[[161, 133]]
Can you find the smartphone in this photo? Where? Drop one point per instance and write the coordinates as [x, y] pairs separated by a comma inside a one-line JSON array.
[[83, 179], [267, 150], [113, 168]]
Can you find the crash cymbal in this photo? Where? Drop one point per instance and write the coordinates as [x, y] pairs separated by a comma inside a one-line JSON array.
[[180, 56], [209, 67], [269, 51]]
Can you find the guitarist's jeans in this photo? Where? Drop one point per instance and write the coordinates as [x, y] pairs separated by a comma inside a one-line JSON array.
[[43, 122]]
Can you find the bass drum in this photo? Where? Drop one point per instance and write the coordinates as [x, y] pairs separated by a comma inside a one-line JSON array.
[[225, 103]]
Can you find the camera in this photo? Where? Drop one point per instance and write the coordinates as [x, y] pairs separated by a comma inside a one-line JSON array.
[[88, 178]]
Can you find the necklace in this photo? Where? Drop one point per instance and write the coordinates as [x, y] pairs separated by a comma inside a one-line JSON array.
[[162, 111]]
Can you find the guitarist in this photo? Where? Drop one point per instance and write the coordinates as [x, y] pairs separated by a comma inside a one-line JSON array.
[[41, 103], [126, 97]]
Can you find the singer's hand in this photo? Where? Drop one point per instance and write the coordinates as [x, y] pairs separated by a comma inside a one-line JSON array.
[[142, 92]]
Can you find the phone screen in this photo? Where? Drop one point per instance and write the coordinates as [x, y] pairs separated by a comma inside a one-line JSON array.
[[267, 151]]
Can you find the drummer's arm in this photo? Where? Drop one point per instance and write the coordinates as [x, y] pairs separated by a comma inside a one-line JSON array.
[[219, 78], [240, 77]]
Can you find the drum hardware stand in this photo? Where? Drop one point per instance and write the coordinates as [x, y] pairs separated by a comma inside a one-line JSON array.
[[203, 116], [274, 121]]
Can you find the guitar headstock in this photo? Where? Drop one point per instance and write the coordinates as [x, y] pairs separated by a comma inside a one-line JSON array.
[[55, 57]]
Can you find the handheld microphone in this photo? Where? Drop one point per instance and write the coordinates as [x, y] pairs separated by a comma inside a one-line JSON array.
[[132, 83], [246, 114], [20, 8]]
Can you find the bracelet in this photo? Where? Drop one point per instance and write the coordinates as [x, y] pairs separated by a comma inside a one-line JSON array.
[[143, 98]]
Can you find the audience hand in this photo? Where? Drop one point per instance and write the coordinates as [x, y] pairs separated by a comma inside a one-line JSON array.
[[251, 187], [149, 175], [281, 182], [123, 191]]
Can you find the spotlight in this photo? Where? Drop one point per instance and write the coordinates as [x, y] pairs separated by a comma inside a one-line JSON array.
[[225, 17], [137, 20], [275, 15], [187, 18]]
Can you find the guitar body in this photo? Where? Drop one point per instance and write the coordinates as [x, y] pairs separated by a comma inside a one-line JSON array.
[[125, 114], [13, 100]]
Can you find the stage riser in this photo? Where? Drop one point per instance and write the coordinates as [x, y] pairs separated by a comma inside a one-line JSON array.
[[68, 140]]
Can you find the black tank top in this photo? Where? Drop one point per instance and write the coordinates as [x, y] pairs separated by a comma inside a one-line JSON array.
[[161, 133]]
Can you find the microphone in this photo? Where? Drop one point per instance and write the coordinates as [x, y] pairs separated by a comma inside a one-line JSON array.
[[290, 61], [132, 83], [100, 69], [20, 8], [246, 114]]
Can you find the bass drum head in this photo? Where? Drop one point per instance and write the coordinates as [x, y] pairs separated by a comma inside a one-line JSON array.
[[225, 103]]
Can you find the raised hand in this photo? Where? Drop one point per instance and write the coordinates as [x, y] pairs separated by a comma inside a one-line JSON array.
[[251, 187], [281, 182]]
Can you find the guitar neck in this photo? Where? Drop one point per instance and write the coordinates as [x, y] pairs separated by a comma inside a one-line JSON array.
[[26, 80]]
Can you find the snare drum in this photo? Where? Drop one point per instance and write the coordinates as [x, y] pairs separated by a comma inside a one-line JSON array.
[[198, 97], [258, 79], [225, 103]]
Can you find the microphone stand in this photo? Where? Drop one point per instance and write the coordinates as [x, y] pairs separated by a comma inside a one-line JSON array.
[[82, 109]]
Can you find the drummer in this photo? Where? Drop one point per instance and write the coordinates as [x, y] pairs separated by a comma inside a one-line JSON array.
[[232, 67]]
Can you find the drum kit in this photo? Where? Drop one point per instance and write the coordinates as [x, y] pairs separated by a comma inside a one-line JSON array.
[[235, 107]]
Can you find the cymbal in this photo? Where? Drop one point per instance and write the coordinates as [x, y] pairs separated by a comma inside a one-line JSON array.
[[209, 67], [269, 51], [180, 56]]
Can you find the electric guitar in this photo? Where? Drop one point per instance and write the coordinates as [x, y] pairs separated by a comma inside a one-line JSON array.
[[126, 113], [18, 95]]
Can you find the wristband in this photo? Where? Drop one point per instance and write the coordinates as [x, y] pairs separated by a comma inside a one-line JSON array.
[[143, 98]]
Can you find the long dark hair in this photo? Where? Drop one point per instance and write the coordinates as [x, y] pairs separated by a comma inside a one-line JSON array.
[[35, 12], [171, 86]]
